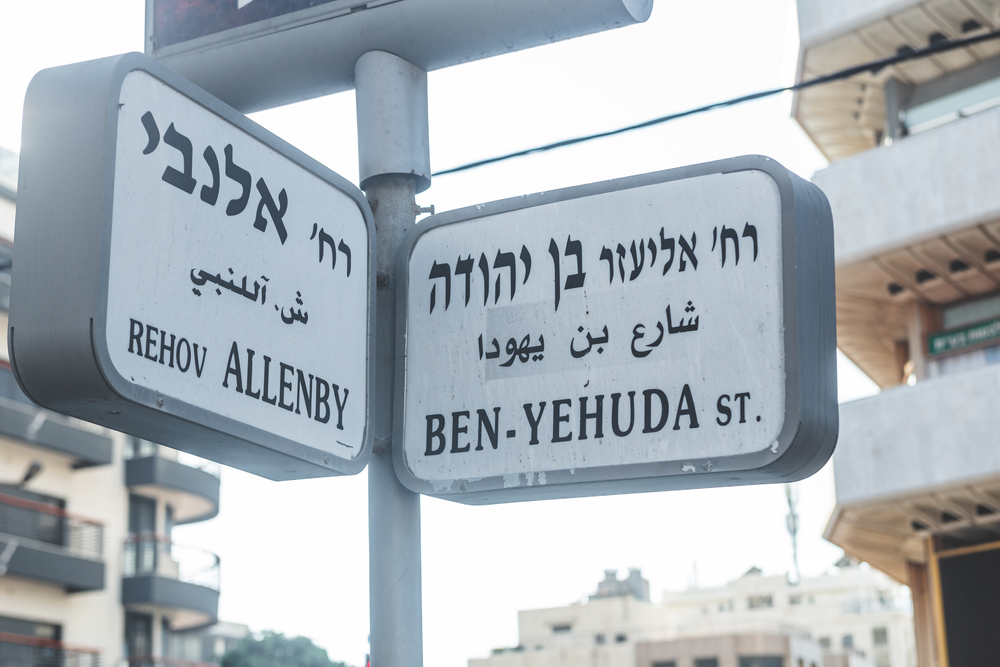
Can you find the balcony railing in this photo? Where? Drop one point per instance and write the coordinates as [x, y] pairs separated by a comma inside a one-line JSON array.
[[21, 651], [147, 555], [51, 525], [137, 448], [154, 661]]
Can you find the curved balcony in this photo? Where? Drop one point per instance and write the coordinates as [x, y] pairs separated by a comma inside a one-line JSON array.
[[916, 462], [181, 582], [18, 650], [156, 471], [22, 420], [45, 543]]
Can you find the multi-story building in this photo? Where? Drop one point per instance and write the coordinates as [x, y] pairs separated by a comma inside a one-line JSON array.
[[915, 163], [854, 617], [853, 610], [89, 575]]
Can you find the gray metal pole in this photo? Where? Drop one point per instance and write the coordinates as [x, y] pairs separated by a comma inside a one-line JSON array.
[[395, 165]]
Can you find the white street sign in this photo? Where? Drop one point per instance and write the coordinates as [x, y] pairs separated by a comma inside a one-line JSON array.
[[657, 332], [227, 276]]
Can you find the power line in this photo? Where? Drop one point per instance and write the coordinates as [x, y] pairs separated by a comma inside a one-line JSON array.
[[875, 66]]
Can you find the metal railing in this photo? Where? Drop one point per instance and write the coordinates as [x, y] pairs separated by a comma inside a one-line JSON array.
[[157, 555], [137, 448], [22, 651], [155, 661], [36, 521]]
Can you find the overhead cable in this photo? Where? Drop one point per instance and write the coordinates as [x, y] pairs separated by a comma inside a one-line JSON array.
[[905, 54]]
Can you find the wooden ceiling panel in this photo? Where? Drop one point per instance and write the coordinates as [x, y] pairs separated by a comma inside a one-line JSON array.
[[908, 271], [941, 258], [986, 12], [831, 114], [840, 53], [950, 15], [883, 38]]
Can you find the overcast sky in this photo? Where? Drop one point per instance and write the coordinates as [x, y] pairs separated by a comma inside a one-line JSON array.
[[294, 554]]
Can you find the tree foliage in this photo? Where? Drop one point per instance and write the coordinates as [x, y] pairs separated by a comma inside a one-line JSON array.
[[273, 649]]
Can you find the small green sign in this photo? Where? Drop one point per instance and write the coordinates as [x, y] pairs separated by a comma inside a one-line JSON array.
[[957, 339]]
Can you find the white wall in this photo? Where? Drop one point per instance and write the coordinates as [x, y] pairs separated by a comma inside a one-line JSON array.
[[821, 20], [921, 186]]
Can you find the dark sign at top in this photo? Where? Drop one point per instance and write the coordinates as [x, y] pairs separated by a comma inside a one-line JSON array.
[[257, 54]]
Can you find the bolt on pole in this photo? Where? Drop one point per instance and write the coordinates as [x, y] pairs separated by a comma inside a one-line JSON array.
[[394, 159]]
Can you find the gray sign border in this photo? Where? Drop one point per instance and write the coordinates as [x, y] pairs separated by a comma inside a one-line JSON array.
[[70, 136], [809, 433], [312, 52]]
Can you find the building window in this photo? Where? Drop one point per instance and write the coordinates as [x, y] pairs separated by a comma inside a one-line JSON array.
[[599, 639], [42, 518], [620, 638], [563, 629], [847, 642], [824, 642], [762, 661], [880, 636], [16, 626], [760, 602], [795, 600], [706, 662], [664, 663]]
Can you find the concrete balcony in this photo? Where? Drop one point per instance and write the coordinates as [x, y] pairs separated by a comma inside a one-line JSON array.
[[915, 222], [918, 461], [180, 582], [44, 543], [157, 472], [22, 420], [850, 116]]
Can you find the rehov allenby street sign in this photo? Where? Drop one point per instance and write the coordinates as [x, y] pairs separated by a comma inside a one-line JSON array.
[[258, 54], [665, 331], [185, 276]]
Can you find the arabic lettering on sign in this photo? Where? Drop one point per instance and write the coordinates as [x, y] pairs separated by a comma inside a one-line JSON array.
[[518, 351]]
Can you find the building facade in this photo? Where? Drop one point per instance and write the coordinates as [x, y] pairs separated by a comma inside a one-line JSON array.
[[855, 616], [89, 575], [853, 610], [915, 158]]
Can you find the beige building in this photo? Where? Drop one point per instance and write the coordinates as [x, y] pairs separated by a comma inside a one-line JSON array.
[[747, 650], [913, 188], [89, 575], [855, 617], [852, 610]]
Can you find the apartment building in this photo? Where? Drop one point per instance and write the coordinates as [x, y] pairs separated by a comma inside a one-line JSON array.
[[853, 610], [89, 575], [915, 161], [854, 617]]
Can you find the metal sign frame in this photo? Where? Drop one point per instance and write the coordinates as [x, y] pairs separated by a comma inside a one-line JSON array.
[[312, 51], [809, 432], [59, 297]]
